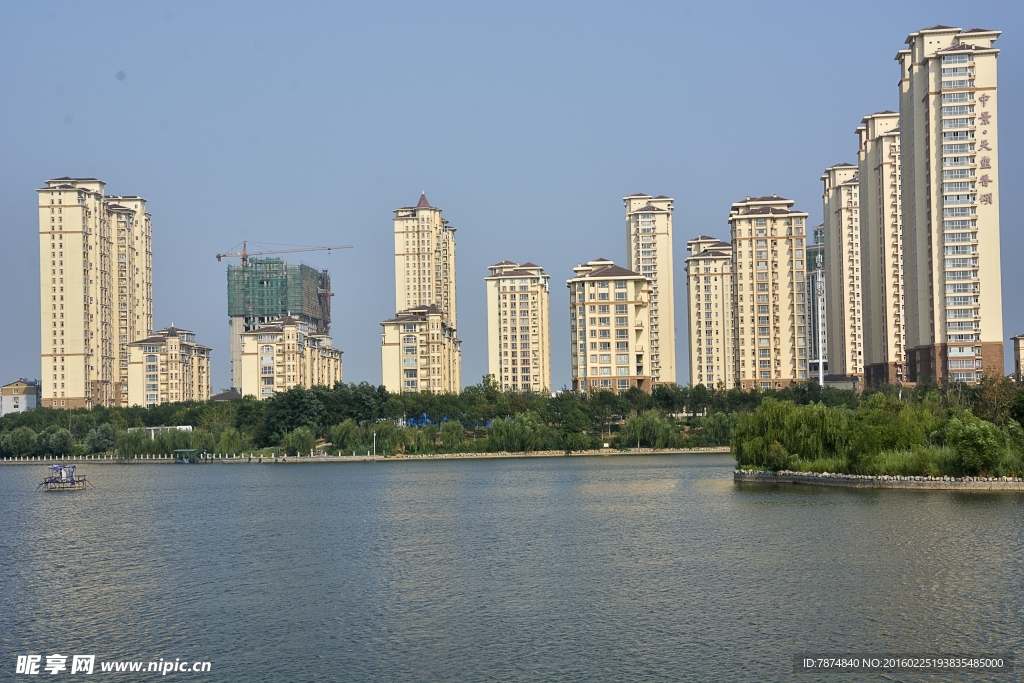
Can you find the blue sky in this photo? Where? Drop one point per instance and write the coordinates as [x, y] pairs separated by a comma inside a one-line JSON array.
[[527, 123]]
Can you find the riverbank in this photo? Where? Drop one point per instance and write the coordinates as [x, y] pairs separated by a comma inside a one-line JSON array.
[[243, 459], [879, 482]]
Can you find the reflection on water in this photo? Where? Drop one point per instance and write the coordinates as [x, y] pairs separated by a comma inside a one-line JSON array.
[[621, 568]]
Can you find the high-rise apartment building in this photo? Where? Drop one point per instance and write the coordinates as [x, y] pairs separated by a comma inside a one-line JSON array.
[[421, 352], [426, 304], [709, 305], [608, 325], [649, 252], [817, 339], [424, 259], [843, 314], [262, 290], [950, 204], [285, 354], [881, 236], [519, 326], [96, 291], [771, 300], [168, 367]]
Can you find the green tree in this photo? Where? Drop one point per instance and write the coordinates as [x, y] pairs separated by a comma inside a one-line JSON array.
[[452, 435], [101, 439], [978, 444], [21, 441], [299, 441]]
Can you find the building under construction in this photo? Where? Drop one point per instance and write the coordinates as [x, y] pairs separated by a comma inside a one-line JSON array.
[[265, 289]]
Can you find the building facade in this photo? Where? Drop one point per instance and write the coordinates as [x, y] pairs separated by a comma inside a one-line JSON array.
[[817, 339], [262, 290], [649, 252], [96, 291], [770, 297], [285, 354], [1018, 358], [424, 289], [421, 352], [519, 326], [17, 397], [843, 293], [881, 238], [950, 204], [168, 367], [711, 318], [608, 325]]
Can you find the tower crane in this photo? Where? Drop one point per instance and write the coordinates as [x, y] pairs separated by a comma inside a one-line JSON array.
[[245, 253]]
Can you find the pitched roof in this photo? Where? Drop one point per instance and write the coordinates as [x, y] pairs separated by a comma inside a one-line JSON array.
[[938, 27], [980, 30], [503, 263], [610, 270], [639, 194], [423, 203], [842, 164], [650, 207], [528, 265]]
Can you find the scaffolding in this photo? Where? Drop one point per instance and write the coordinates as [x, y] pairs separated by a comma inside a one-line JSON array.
[[269, 287]]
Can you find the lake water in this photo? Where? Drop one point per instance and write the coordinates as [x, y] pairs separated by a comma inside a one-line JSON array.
[[639, 568]]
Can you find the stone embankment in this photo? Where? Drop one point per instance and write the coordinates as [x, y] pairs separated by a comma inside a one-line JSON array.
[[880, 482]]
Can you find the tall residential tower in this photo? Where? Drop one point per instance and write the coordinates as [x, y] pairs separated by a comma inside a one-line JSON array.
[[649, 252], [843, 315], [709, 285], [96, 291], [950, 203], [771, 300], [425, 305], [609, 329], [881, 235], [519, 326]]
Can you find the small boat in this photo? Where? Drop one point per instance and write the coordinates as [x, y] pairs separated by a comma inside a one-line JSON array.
[[186, 456], [62, 478]]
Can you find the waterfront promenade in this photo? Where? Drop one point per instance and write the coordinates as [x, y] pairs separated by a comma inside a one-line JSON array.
[[244, 459]]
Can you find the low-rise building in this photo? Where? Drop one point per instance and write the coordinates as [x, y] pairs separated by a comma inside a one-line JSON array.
[[168, 367], [281, 355], [17, 397], [518, 326], [609, 327], [420, 352]]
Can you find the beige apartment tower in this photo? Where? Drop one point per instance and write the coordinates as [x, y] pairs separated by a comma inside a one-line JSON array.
[[608, 325], [168, 367], [843, 315], [709, 288], [950, 204], [425, 303], [96, 291], [649, 250], [519, 326], [881, 236], [420, 352], [771, 302], [284, 353]]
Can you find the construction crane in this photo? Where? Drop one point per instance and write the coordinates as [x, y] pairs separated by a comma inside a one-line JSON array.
[[245, 254]]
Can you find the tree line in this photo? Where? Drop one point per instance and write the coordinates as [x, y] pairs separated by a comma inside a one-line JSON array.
[[350, 418]]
